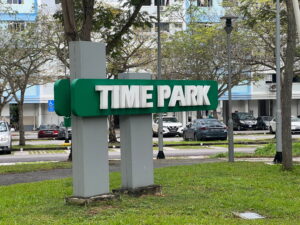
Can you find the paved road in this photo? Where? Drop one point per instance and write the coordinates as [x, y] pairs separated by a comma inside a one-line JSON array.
[[9, 179], [239, 136], [115, 154]]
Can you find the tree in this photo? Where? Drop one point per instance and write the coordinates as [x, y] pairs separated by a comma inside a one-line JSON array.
[[113, 24], [23, 54], [5, 93], [86, 20], [260, 21], [199, 53], [286, 92]]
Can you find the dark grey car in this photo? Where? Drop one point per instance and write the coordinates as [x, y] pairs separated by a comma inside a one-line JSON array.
[[62, 133], [203, 129], [263, 122]]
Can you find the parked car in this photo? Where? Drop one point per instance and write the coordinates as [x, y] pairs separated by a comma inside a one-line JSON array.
[[295, 125], [171, 126], [243, 121], [62, 133], [203, 129], [5, 138], [263, 122], [48, 131]]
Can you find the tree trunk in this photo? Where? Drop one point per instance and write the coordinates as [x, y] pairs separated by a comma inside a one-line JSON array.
[[286, 91], [88, 12], [21, 124], [112, 133], [69, 20], [215, 114], [199, 115], [1, 108]]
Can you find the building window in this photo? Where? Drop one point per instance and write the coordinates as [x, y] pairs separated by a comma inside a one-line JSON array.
[[16, 26], [204, 3], [15, 1], [178, 25], [163, 27], [162, 2]]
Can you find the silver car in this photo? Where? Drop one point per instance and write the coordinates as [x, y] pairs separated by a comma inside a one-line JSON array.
[[5, 138]]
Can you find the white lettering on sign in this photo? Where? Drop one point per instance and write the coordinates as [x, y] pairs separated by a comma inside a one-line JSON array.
[[139, 96], [177, 96], [129, 97], [104, 95], [163, 92], [202, 98], [145, 96], [190, 92]]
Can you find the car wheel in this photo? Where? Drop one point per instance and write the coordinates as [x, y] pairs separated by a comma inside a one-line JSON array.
[[239, 127]]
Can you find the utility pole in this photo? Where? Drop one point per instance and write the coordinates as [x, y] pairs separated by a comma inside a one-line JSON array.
[[228, 28], [160, 154], [278, 156]]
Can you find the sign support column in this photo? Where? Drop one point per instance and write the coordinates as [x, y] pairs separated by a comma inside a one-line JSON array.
[[136, 146], [89, 141]]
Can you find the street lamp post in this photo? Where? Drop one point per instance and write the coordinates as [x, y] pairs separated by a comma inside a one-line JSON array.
[[278, 155], [160, 154], [228, 28]]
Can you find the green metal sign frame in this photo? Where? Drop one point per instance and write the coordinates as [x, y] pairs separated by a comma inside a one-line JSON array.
[[82, 99]]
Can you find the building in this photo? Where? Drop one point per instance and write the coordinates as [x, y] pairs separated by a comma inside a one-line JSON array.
[[36, 109]]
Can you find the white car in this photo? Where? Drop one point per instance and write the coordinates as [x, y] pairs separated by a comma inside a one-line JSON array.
[[171, 126], [295, 125], [5, 138]]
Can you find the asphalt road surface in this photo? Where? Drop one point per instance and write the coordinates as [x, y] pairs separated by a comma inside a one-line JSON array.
[[9, 179]]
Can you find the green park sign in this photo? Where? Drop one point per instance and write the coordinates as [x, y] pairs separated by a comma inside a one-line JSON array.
[[102, 97]]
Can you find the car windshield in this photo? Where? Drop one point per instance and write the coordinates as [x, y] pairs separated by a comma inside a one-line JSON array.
[[170, 119], [47, 127], [295, 119], [3, 127], [213, 123], [246, 116]]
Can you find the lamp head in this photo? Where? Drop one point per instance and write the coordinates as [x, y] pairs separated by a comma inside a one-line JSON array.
[[228, 18]]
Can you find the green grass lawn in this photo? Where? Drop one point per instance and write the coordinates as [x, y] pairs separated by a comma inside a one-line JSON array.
[[30, 167], [268, 150], [198, 194], [38, 146]]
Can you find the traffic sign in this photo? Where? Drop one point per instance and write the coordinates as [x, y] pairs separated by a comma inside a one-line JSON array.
[[51, 106]]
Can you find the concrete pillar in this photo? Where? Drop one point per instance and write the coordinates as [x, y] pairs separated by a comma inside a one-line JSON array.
[[40, 114], [136, 146], [184, 118], [89, 134]]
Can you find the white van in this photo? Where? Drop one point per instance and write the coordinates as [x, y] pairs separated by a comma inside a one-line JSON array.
[[5, 138]]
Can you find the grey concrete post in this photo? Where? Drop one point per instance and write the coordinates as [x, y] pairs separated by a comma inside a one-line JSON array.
[[89, 141], [136, 145]]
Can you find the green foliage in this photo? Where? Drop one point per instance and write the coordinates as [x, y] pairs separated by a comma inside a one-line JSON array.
[[267, 150], [198, 194], [200, 53], [108, 21], [270, 150], [258, 19]]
